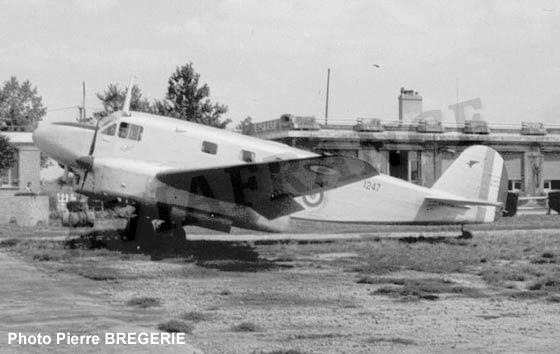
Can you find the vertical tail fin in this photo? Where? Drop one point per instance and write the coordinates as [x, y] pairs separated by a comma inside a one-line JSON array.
[[479, 173]]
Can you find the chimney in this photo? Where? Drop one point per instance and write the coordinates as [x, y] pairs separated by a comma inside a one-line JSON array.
[[410, 105]]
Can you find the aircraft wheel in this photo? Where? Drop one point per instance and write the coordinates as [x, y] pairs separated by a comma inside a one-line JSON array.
[[465, 234]]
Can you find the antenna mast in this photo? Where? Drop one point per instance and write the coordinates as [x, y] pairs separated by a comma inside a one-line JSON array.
[[84, 116], [327, 99]]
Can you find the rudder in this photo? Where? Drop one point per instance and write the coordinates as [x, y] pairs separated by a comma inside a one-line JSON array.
[[478, 173]]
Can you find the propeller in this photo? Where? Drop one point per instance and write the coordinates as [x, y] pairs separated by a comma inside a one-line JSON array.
[[128, 98], [86, 162]]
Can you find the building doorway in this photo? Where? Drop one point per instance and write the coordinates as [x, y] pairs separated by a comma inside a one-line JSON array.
[[398, 164], [405, 164]]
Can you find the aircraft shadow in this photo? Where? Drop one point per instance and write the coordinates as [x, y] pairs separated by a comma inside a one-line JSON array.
[[223, 256]]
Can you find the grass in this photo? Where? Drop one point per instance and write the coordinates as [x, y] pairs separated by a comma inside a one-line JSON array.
[[246, 327], [10, 242], [234, 265], [176, 326], [500, 276], [518, 265], [99, 274], [144, 302], [388, 256], [547, 283], [314, 336], [545, 258], [390, 340], [195, 316], [517, 260], [553, 298], [424, 289], [282, 351], [279, 351]]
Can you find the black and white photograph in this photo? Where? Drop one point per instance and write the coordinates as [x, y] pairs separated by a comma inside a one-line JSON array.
[[279, 176]]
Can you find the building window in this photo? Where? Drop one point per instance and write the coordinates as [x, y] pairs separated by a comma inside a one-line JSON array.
[[551, 184], [209, 148], [415, 166], [9, 177], [515, 185], [110, 130], [247, 156]]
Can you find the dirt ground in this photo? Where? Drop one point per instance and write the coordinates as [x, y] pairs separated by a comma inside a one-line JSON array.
[[492, 293]]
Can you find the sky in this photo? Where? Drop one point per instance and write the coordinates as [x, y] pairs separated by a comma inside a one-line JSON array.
[[264, 58]]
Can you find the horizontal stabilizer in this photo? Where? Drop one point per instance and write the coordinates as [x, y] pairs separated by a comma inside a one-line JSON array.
[[462, 203], [266, 187]]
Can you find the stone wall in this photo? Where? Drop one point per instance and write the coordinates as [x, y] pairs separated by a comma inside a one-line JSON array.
[[25, 209], [29, 167]]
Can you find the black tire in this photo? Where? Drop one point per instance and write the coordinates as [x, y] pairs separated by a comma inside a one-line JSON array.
[[130, 230]]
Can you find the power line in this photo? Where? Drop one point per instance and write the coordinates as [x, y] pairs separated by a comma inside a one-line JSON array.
[[61, 109]]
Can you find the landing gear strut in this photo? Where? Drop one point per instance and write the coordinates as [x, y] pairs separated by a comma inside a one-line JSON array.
[[139, 227], [465, 233]]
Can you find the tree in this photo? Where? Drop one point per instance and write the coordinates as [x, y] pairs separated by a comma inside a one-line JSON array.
[[20, 105], [8, 153], [246, 126], [162, 107], [190, 102], [113, 100]]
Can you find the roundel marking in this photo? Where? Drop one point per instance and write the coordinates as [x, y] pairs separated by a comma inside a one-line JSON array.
[[314, 200]]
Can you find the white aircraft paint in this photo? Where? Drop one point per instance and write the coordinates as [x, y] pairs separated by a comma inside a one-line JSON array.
[[470, 191]]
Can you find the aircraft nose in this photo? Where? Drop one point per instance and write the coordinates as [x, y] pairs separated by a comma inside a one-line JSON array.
[[61, 141], [40, 137]]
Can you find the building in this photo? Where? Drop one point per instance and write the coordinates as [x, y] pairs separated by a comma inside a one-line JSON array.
[[17, 205], [419, 148]]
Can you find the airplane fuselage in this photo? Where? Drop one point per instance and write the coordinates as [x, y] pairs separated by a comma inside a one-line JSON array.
[[135, 148]]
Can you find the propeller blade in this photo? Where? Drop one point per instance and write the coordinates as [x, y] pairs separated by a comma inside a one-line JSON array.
[[92, 146], [128, 98]]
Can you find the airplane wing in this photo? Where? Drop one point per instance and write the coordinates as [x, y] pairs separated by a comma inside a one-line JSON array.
[[462, 203], [269, 187]]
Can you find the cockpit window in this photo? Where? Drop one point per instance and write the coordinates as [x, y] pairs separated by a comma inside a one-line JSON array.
[[110, 130], [123, 130], [130, 131], [135, 132], [105, 121]]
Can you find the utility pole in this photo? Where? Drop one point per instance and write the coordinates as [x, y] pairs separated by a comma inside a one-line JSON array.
[[327, 100], [84, 101]]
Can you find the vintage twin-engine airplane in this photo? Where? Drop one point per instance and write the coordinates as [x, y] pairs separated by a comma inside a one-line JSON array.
[[472, 190], [189, 174]]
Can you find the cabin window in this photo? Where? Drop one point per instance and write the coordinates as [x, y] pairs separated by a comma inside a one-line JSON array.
[[123, 130], [110, 130], [209, 148], [247, 156], [135, 132]]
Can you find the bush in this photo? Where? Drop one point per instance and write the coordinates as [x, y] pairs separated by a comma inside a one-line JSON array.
[[176, 326], [11, 242], [144, 302], [246, 327], [195, 316]]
